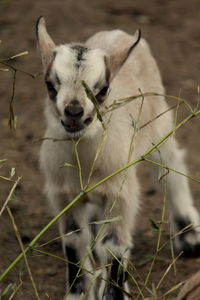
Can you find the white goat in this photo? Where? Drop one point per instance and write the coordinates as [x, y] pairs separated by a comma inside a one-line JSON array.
[[114, 65]]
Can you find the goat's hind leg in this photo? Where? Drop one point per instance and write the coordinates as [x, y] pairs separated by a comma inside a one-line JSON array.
[[181, 206]]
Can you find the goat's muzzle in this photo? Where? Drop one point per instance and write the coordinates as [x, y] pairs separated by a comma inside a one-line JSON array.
[[73, 118]]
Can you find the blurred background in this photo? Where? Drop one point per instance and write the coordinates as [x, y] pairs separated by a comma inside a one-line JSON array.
[[172, 29]]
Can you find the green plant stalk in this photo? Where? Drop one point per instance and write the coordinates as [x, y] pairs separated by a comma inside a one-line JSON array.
[[99, 148], [79, 166], [82, 193], [171, 169], [121, 102], [91, 96], [54, 256]]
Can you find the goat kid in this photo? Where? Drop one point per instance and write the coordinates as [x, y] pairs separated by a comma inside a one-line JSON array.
[[114, 65]]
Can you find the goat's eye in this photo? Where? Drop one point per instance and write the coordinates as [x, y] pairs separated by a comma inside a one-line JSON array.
[[101, 95], [52, 91]]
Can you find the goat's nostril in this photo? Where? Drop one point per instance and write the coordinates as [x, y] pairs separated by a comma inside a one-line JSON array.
[[74, 112], [88, 121]]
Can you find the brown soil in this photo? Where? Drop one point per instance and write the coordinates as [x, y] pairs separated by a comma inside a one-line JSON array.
[[173, 31]]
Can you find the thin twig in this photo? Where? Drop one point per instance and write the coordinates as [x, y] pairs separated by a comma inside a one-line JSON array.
[[19, 70], [12, 121], [10, 195], [159, 237], [168, 269], [121, 102], [24, 254], [15, 291], [159, 115], [14, 56]]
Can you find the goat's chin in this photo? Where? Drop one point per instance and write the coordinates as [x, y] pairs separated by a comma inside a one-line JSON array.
[[75, 135], [88, 131]]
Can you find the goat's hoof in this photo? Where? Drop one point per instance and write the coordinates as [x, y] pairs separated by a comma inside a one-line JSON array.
[[188, 240], [190, 249], [112, 292], [77, 290]]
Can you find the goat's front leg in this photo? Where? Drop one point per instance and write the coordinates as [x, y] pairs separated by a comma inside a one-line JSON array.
[[115, 288], [75, 240], [115, 245], [109, 250]]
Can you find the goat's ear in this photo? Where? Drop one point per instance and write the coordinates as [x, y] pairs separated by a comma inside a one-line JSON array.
[[45, 43], [116, 61]]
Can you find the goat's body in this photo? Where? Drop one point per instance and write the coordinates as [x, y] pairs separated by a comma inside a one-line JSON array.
[[129, 81], [139, 74]]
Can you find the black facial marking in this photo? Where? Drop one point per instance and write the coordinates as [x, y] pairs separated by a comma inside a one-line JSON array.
[[118, 277], [80, 51], [102, 94], [78, 286], [51, 90], [102, 86], [49, 84]]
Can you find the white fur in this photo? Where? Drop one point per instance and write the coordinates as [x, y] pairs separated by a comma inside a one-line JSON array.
[[140, 71]]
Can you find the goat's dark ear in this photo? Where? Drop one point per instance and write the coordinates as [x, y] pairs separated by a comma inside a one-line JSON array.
[[116, 61], [45, 43]]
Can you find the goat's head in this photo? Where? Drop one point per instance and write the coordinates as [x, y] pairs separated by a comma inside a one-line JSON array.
[[65, 67]]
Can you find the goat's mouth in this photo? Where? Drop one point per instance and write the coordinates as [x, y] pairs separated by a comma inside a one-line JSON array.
[[74, 126]]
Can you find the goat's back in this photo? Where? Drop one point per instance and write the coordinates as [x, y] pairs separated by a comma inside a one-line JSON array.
[[139, 74]]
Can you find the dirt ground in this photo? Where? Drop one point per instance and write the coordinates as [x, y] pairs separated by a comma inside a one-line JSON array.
[[173, 30]]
